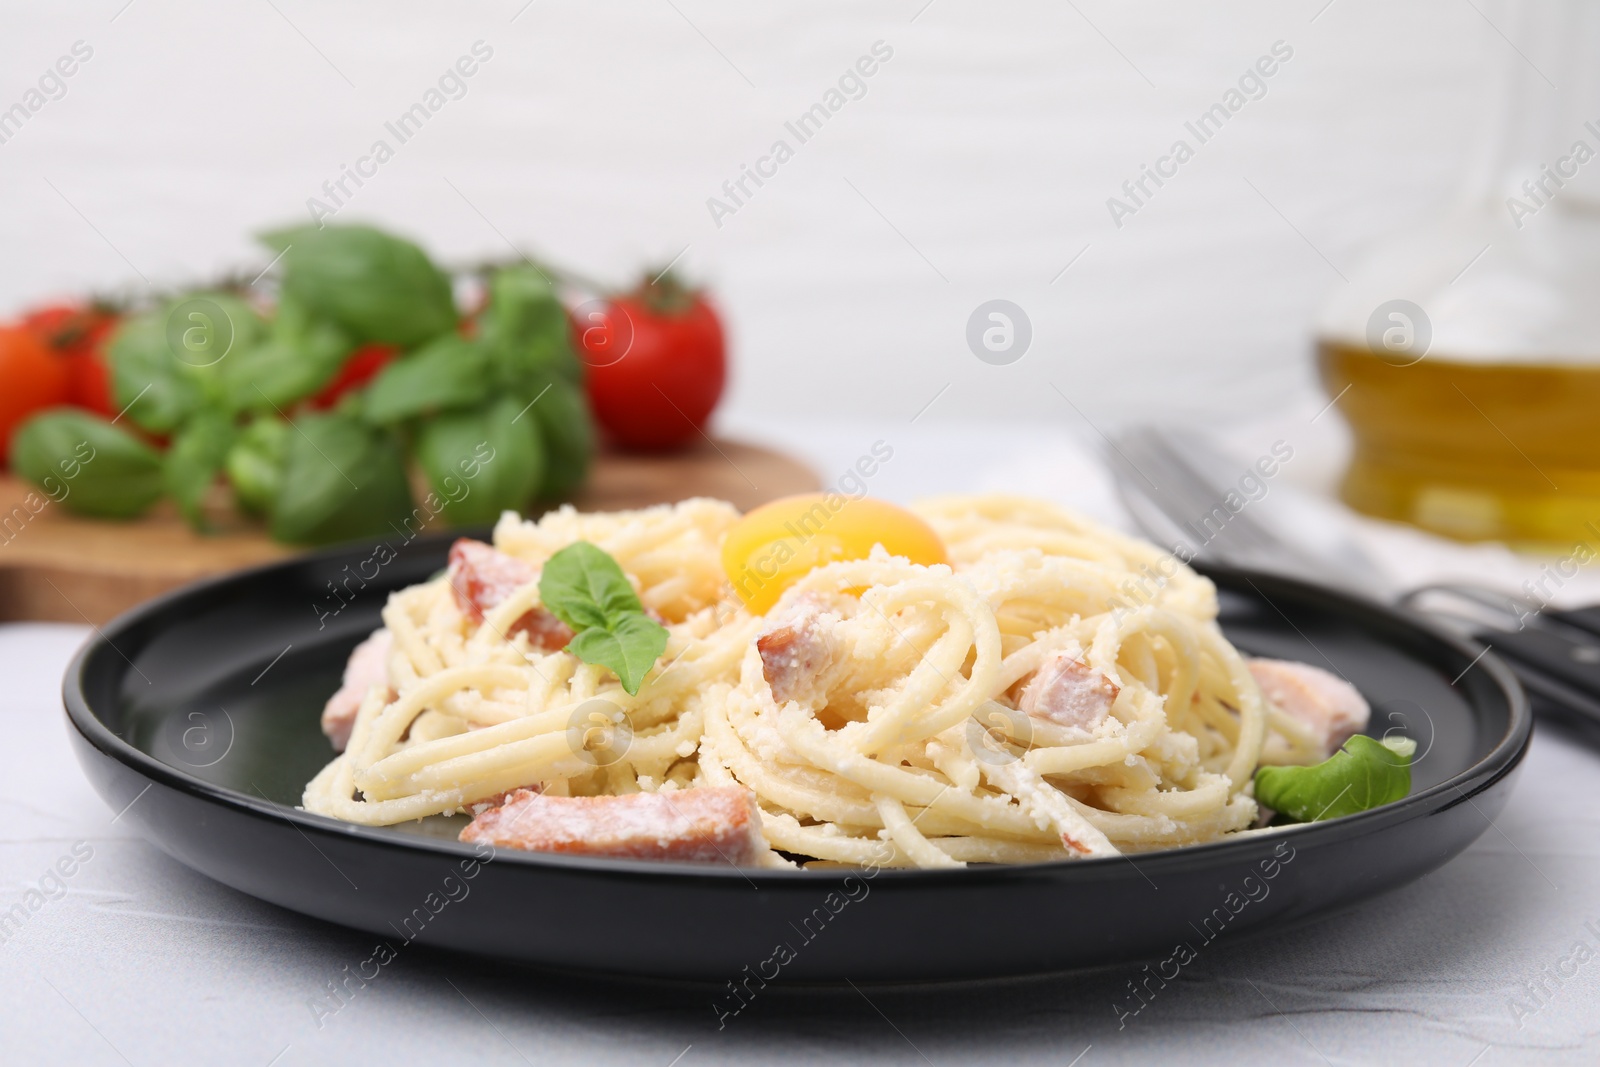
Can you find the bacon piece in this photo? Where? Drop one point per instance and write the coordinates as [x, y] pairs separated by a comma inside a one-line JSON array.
[[715, 824], [1327, 705], [1068, 692], [546, 633], [482, 577], [798, 653], [368, 666]]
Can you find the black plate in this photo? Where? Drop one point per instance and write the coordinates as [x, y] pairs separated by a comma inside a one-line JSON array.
[[197, 715]]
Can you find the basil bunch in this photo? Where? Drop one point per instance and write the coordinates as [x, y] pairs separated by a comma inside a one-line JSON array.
[[516, 384], [492, 420]]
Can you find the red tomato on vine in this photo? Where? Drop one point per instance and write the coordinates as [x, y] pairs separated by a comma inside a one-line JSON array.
[[77, 334], [32, 378], [656, 364]]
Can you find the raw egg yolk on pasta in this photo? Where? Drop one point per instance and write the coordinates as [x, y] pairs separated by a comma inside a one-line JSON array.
[[777, 544]]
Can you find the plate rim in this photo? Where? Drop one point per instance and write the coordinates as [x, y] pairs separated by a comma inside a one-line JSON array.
[[1501, 760]]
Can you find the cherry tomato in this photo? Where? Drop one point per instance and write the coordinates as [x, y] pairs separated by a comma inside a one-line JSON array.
[[32, 378], [362, 366], [77, 334], [656, 364], [779, 543]]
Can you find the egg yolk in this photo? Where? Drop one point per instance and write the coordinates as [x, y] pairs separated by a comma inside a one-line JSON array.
[[777, 544]]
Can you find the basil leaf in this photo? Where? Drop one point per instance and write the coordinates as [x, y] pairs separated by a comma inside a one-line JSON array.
[[568, 434], [451, 372], [194, 460], [376, 286], [483, 462], [203, 329], [526, 329], [167, 364], [586, 589], [342, 480], [302, 354], [271, 376], [322, 340], [1363, 774], [529, 339], [629, 649], [255, 464], [147, 380], [86, 464]]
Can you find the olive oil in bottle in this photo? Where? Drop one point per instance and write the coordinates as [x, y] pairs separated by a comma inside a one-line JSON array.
[[1465, 352], [1472, 450]]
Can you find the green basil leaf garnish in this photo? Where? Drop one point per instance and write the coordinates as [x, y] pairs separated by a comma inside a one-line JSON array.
[[587, 590], [630, 648], [1363, 774]]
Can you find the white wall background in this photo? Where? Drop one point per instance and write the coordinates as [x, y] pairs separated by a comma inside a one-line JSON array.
[[596, 133]]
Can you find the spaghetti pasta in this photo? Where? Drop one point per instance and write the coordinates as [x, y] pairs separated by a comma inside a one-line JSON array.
[[1057, 690]]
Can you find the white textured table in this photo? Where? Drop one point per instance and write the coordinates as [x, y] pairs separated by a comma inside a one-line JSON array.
[[135, 959]]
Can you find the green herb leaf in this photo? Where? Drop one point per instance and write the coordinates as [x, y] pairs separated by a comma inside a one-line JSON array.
[[255, 463], [320, 338], [168, 363], [452, 372], [194, 460], [147, 380], [86, 464], [342, 480], [204, 329], [302, 354], [376, 286], [585, 587], [526, 330], [1363, 774], [630, 648], [587, 590], [568, 434], [482, 462], [527, 334], [271, 376]]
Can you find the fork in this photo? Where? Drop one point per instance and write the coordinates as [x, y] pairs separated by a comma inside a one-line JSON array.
[[1173, 481]]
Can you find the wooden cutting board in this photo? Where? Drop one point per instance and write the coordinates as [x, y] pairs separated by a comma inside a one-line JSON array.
[[56, 566]]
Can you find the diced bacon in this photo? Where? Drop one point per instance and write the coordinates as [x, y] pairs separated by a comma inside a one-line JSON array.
[[482, 577], [1325, 704], [719, 824], [1068, 692], [368, 666], [546, 633], [798, 652]]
